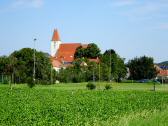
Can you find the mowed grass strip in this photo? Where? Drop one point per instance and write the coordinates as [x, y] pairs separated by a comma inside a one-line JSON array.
[[100, 86], [44, 105]]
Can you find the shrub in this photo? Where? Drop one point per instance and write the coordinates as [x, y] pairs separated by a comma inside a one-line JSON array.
[[91, 86], [44, 82], [107, 87], [30, 82], [6, 81]]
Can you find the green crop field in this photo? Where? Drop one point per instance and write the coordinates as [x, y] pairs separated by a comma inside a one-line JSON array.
[[74, 105]]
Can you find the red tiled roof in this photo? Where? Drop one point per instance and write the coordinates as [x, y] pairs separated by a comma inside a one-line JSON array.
[[56, 36], [163, 73], [66, 52]]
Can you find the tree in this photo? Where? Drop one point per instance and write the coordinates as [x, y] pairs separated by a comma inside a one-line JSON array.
[[4, 61], [80, 52], [23, 66], [121, 69], [5, 69], [82, 71], [113, 66], [110, 66], [142, 68], [92, 51]]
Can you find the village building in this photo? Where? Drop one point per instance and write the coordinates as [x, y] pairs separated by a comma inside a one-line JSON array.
[[62, 54], [162, 73]]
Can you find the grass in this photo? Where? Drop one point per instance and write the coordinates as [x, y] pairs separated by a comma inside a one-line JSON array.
[[101, 86], [72, 104]]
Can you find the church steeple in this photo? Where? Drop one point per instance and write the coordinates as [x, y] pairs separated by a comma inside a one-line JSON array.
[[56, 36], [55, 43]]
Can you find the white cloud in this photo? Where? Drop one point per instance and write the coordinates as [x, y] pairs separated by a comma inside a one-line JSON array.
[[20, 4], [27, 3], [136, 8]]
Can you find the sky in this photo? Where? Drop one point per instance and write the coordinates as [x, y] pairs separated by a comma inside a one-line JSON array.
[[133, 28]]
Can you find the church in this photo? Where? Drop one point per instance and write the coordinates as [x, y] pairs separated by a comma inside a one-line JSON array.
[[62, 54]]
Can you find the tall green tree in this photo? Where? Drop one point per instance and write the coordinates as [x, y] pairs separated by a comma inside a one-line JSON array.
[[80, 52], [114, 65], [23, 67], [5, 69], [4, 61], [92, 51], [142, 68]]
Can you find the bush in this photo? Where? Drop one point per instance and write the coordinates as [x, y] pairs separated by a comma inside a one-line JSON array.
[[30, 82], [6, 81], [91, 86], [43, 82], [107, 87]]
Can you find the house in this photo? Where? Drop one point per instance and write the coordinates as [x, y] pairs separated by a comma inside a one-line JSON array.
[[162, 73], [62, 54]]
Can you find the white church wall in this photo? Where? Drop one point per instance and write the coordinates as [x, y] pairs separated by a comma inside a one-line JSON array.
[[54, 47]]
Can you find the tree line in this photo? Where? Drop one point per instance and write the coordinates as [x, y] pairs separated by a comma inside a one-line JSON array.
[[89, 65]]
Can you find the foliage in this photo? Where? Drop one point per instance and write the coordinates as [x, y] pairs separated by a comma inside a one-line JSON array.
[[142, 68], [80, 52], [113, 66], [79, 72], [84, 70], [108, 86], [92, 51], [45, 105], [4, 65], [91, 86], [20, 66], [30, 82]]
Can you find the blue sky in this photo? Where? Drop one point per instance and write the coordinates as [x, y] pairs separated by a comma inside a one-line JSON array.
[[131, 27]]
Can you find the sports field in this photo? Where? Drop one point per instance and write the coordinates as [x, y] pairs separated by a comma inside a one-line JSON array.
[[73, 104]]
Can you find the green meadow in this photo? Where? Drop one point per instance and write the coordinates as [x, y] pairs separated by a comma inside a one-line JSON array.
[[74, 105]]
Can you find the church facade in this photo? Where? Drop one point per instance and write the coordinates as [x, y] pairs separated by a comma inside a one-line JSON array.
[[62, 54]]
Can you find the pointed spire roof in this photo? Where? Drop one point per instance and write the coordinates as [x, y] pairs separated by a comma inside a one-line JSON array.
[[56, 36]]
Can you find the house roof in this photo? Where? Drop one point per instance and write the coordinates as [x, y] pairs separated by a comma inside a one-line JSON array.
[[164, 67], [66, 52], [56, 63], [163, 73], [56, 36]]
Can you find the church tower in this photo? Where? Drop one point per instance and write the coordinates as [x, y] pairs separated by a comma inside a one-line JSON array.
[[55, 42]]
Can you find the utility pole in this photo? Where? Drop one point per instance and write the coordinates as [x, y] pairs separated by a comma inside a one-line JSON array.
[[99, 71], [110, 68], [34, 68], [166, 77], [51, 75], [93, 76]]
